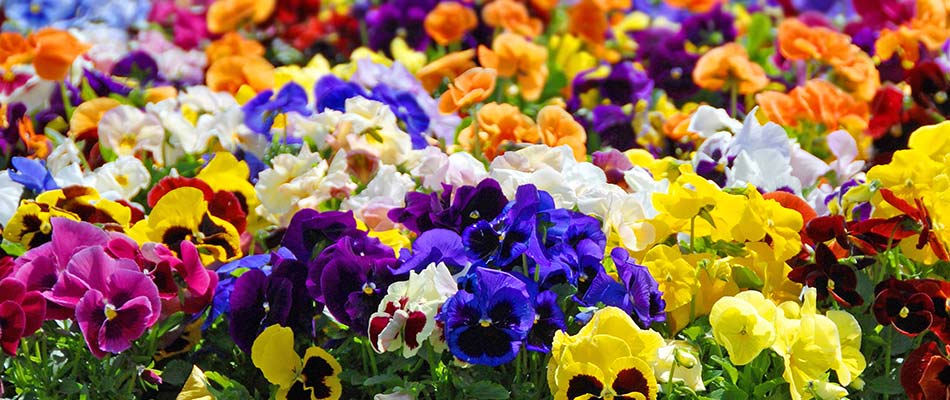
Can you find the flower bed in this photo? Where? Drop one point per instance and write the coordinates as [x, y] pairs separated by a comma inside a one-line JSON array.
[[303, 199]]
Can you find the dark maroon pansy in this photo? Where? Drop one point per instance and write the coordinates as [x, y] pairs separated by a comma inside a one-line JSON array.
[[900, 304]]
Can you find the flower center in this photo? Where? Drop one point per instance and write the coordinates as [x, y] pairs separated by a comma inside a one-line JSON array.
[[831, 284], [474, 214], [369, 288], [110, 312], [127, 143], [122, 180], [485, 322], [36, 7], [676, 72], [904, 312], [940, 97]]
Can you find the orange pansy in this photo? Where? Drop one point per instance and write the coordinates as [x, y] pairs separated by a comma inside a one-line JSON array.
[[228, 15], [513, 55], [696, 6], [85, 119], [54, 52], [230, 73], [511, 15], [233, 44], [818, 101], [557, 128], [38, 146], [448, 22], [729, 63], [498, 125], [14, 49], [473, 86], [448, 67]]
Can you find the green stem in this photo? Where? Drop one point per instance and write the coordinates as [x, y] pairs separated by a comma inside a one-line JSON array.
[[669, 379], [887, 355]]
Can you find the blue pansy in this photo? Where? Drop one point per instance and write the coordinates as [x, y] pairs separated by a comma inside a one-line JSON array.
[[548, 320], [32, 174], [36, 14], [331, 92], [488, 324], [404, 106], [119, 14], [260, 112], [513, 234]]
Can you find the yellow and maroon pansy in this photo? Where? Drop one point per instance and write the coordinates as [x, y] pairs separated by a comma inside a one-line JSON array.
[[182, 215]]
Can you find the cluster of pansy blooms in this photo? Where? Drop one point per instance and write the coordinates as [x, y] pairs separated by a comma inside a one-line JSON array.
[[617, 199]]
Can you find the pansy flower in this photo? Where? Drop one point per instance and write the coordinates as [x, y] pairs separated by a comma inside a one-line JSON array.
[[262, 300], [488, 324], [182, 215], [829, 277], [900, 304], [22, 313], [262, 111], [608, 358], [548, 319], [30, 225], [119, 304], [434, 246], [406, 315], [454, 209], [314, 377], [513, 233]]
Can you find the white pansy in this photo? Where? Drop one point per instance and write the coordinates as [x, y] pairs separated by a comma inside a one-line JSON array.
[[126, 131], [373, 127], [121, 179], [315, 127], [231, 133], [290, 179], [416, 299], [10, 193], [707, 121], [387, 190], [65, 164], [763, 168]]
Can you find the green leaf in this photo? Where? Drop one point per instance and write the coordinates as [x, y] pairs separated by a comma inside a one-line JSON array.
[[728, 368], [485, 390], [387, 379], [764, 388], [176, 372], [885, 385], [86, 92], [13, 249], [746, 278]]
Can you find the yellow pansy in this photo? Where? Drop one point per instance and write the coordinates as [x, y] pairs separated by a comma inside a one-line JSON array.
[[316, 376], [610, 357], [569, 56], [196, 387], [225, 172], [740, 327], [714, 277], [676, 276], [182, 215], [809, 343], [393, 238], [768, 217], [305, 76], [409, 58]]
